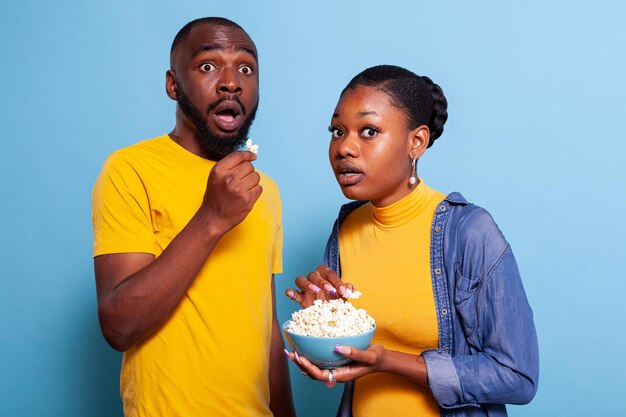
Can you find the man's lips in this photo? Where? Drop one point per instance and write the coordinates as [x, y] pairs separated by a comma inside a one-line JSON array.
[[227, 115], [348, 174]]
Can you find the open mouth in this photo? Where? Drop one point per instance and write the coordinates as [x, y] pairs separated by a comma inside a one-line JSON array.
[[228, 115], [348, 175]]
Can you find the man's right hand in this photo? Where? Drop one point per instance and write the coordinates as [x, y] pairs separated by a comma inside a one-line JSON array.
[[232, 189]]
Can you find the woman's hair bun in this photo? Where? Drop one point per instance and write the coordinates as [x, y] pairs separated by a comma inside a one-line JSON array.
[[439, 114]]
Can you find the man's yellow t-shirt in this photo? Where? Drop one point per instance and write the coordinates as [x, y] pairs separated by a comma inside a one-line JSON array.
[[385, 253], [211, 357]]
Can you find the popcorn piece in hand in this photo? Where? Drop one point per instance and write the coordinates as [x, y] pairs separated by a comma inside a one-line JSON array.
[[252, 147], [352, 294]]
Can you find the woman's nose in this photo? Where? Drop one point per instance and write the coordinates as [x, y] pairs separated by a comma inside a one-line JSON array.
[[348, 146]]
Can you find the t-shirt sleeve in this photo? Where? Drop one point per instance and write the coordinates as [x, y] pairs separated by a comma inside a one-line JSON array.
[[278, 251], [121, 210], [272, 193]]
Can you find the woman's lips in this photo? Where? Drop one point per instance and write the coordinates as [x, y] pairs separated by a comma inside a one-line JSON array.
[[349, 177], [347, 173]]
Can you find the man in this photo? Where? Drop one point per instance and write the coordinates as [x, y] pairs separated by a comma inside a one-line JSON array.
[[184, 265]]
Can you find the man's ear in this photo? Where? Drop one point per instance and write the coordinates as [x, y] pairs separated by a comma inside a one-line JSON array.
[[170, 85], [419, 137]]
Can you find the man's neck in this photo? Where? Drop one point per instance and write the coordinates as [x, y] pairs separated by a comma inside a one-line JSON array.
[[189, 141]]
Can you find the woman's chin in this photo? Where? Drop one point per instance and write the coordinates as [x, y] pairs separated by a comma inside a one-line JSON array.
[[352, 193]]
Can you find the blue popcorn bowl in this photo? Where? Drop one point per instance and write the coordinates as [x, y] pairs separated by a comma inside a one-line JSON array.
[[321, 350]]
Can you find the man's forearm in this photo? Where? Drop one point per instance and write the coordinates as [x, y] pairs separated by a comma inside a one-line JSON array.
[[139, 303]]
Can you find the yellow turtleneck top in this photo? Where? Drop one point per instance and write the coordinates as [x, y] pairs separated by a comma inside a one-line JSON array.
[[385, 253]]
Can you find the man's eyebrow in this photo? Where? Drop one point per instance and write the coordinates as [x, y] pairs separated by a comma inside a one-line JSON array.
[[214, 47]]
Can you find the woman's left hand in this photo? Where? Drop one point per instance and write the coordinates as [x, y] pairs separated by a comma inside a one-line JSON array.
[[364, 362]]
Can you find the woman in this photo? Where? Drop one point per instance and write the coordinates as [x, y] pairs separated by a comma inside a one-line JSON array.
[[455, 334]]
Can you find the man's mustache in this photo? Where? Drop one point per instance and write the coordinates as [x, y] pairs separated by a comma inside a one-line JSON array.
[[211, 106]]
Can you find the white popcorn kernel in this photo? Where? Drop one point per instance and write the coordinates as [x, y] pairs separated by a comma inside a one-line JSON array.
[[252, 147], [352, 294], [332, 318]]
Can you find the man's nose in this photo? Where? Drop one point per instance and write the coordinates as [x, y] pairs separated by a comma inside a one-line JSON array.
[[229, 81]]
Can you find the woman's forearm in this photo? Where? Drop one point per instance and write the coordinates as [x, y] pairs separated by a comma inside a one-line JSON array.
[[405, 364]]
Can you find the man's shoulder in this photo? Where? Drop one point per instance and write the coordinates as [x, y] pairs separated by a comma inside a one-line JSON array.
[[146, 145], [270, 187], [267, 179], [132, 154]]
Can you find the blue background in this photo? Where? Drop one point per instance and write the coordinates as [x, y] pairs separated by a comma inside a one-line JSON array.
[[537, 106]]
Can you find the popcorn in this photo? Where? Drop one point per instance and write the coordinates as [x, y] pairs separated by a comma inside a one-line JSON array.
[[332, 318], [252, 147], [352, 294]]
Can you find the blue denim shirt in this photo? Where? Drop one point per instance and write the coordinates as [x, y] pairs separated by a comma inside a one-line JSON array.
[[488, 354]]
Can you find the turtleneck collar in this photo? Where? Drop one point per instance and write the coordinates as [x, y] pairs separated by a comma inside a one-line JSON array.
[[405, 209]]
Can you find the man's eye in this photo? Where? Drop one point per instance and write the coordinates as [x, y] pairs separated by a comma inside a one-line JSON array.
[[207, 67], [246, 69], [369, 132]]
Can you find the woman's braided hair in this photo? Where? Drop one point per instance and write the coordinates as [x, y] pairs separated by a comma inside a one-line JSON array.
[[418, 96]]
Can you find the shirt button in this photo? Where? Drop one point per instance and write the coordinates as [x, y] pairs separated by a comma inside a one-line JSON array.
[[437, 229], [444, 311], [437, 271], [442, 208]]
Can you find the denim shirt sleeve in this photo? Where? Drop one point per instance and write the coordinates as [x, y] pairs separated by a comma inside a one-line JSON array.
[[499, 360]]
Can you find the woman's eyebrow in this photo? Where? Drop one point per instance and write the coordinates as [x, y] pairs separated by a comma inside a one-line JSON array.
[[359, 114]]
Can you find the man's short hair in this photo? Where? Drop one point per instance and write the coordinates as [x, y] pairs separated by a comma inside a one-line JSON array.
[[183, 33]]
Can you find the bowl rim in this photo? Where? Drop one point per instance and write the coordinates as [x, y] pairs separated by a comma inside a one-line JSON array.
[[284, 327]]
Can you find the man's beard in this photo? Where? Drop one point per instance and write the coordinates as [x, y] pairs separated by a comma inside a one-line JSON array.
[[216, 145]]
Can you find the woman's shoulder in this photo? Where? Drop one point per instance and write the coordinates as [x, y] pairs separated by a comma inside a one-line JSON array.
[[464, 211], [473, 224]]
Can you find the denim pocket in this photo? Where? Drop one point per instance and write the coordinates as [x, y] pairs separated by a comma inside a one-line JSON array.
[[465, 299]]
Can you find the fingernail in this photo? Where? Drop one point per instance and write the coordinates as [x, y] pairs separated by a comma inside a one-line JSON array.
[[297, 357], [291, 294], [314, 288], [286, 352], [343, 290], [330, 289], [344, 350]]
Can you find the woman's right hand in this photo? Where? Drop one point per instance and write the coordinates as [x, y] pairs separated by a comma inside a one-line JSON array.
[[363, 362], [321, 284]]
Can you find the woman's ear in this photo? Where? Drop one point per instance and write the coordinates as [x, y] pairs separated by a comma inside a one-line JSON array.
[[170, 85], [419, 137]]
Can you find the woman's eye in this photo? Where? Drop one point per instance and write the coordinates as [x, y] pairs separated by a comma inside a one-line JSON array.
[[207, 67], [246, 69], [337, 133], [369, 132]]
